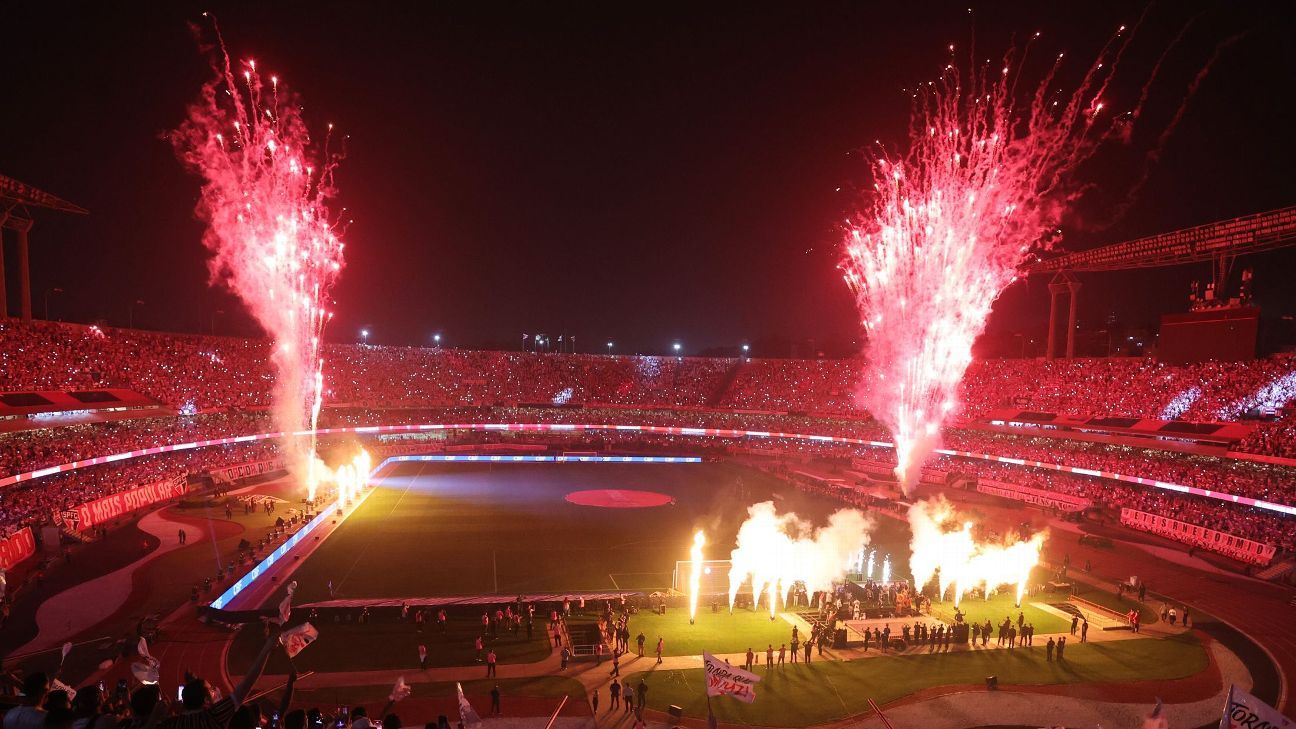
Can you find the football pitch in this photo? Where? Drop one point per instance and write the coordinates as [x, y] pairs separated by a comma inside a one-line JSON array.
[[475, 529], [445, 529]]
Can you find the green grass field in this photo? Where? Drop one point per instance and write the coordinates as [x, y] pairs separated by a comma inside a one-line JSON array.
[[480, 529], [467, 529], [825, 691], [717, 633], [976, 610]]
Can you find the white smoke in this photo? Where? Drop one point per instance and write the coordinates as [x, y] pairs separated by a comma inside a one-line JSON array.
[[776, 551]]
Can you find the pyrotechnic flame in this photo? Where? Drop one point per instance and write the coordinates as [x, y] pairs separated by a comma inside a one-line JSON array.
[[269, 227], [695, 573], [946, 550], [984, 182], [776, 552], [349, 478]]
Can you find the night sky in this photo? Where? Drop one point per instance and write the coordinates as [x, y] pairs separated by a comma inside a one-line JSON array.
[[640, 172]]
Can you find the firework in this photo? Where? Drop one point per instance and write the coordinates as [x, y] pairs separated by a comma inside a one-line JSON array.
[[348, 479], [265, 198], [695, 573], [777, 551], [945, 550], [985, 181]]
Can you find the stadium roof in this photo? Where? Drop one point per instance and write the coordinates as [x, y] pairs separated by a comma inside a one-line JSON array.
[[1247, 234], [14, 193]]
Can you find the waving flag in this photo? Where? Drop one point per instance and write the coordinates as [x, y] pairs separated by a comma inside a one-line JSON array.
[[1244, 711], [400, 691], [467, 715], [294, 640], [725, 680]]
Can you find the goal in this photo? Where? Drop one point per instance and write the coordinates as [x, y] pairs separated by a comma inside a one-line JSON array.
[[714, 581]]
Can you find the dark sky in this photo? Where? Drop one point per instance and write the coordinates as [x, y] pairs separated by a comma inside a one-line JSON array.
[[642, 172]]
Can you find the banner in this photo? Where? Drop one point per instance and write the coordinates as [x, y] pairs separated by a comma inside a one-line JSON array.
[[1034, 496], [725, 680], [111, 507], [16, 547], [1239, 548], [1244, 711], [247, 470], [294, 640]]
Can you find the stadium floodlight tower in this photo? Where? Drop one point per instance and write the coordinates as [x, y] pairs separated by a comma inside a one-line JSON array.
[[16, 201]]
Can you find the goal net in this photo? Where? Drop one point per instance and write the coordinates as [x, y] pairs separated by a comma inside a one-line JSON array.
[[714, 581]]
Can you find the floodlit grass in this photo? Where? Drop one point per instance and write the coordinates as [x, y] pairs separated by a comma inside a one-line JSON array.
[[458, 529], [1147, 611], [1000, 606], [717, 633], [824, 691]]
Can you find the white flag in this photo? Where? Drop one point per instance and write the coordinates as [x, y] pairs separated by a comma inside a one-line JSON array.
[[725, 680], [67, 648], [1244, 711], [467, 715], [294, 640], [58, 685], [400, 691], [145, 672]]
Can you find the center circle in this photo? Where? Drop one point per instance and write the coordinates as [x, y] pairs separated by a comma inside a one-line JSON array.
[[618, 498]]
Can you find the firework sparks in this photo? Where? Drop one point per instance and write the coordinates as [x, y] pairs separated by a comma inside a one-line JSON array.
[[985, 182], [265, 198], [777, 551], [946, 551], [695, 573]]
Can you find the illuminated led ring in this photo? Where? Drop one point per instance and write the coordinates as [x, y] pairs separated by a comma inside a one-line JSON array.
[[649, 429]]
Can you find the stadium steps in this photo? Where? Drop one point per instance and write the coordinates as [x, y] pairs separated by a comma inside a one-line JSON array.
[[75, 536], [1277, 570]]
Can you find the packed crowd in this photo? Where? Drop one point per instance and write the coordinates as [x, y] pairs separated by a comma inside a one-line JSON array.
[[31, 503], [215, 372], [38, 502], [229, 382]]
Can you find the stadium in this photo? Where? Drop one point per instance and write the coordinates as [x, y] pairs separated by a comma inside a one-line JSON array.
[[275, 521]]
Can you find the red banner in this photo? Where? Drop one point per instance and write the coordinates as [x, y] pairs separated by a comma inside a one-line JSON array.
[[111, 507], [16, 547]]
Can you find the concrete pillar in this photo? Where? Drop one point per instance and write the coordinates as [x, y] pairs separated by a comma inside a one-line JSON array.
[[4, 295], [24, 276], [1074, 287], [1054, 291]]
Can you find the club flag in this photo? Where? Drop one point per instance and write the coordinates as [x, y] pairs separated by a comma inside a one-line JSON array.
[[296, 639], [58, 685], [467, 715], [1244, 711], [145, 672], [725, 680], [401, 690]]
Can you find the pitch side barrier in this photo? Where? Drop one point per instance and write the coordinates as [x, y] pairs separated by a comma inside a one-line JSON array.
[[646, 429]]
